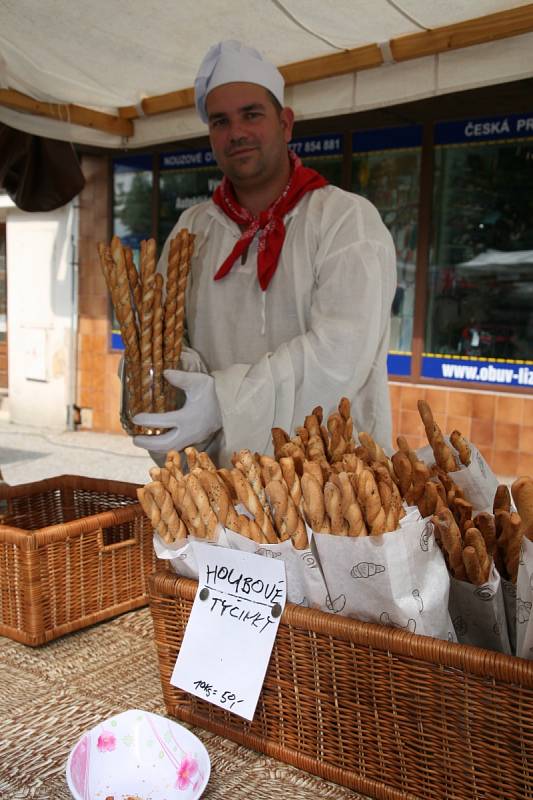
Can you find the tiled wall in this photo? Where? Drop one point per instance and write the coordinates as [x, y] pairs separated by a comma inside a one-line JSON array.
[[500, 425], [98, 385]]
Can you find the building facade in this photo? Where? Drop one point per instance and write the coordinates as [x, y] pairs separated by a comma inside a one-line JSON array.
[[453, 180]]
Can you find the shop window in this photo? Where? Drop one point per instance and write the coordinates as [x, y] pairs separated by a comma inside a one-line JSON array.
[[132, 211], [186, 177], [480, 290], [323, 153], [386, 170]]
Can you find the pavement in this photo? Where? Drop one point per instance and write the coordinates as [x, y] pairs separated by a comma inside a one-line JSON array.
[[30, 454]]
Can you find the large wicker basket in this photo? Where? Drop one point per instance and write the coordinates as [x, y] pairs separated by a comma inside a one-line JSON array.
[[382, 711], [73, 551]]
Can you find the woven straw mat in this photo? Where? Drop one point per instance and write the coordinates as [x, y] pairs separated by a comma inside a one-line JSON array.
[[50, 695]]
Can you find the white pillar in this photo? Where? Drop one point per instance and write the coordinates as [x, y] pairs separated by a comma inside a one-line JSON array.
[[40, 296]]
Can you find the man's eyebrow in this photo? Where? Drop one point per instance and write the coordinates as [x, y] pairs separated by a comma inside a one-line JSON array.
[[253, 107], [243, 109]]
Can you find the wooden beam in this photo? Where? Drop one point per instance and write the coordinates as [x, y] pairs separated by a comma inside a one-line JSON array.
[[77, 115], [314, 69], [160, 103], [501, 25]]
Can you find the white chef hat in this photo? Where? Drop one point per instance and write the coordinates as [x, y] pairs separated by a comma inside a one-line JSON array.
[[233, 62]]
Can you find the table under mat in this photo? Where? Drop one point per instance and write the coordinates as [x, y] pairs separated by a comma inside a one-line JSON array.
[[50, 695]]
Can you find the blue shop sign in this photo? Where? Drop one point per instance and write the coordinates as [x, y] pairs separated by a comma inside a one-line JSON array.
[[328, 144], [482, 129], [494, 371], [187, 159], [399, 364]]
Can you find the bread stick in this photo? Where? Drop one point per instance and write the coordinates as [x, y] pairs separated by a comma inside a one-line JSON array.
[[473, 538], [270, 469], [346, 489], [337, 442], [224, 476], [148, 265], [157, 346], [191, 454], [191, 515], [430, 502], [187, 246], [354, 517], [403, 447], [368, 496], [216, 494], [171, 300], [462, 511], [473, 569], [522, 492], [314, 469], [420, 477], [333, 506], [250, 500], [485, 523], [173, 464], [403, 469], [502, 499], [159, 506], [442, 453], [133, 280], [462, 445], [509, 540], [279, 438], [313, 503], [449, 537], [292, 480], [205, 462], [253, 473]]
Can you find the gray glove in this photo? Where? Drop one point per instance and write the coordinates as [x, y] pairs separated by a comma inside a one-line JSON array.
[[197, 420]]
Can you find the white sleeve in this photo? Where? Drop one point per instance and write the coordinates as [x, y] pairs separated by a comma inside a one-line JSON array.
[[347, 337]]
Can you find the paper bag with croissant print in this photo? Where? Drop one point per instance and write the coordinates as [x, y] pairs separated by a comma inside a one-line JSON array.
[[397, 579], [305, 583]]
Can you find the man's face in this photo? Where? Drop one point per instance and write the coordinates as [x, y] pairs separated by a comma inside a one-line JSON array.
[[248, 133]]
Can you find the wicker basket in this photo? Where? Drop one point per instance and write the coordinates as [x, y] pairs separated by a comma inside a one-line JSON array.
[[74, 551], [382, 711]]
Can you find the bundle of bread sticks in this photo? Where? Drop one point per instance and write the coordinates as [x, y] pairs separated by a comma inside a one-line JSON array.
[[470, 543], [252, 499], [150, 314], [323, 478]]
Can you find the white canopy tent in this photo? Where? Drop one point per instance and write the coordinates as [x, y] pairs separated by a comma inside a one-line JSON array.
[[119, 72]]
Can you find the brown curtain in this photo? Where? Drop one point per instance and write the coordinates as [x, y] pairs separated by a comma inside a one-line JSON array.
[[38, 174]]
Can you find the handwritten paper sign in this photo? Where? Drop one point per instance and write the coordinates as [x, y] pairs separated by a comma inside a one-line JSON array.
[[232, 627]]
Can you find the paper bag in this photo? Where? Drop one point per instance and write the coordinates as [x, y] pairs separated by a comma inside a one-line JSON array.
[[524, 601], [477, 481], [181, 555], [478, 613], [509, 602], [305, 583], [398, 579]]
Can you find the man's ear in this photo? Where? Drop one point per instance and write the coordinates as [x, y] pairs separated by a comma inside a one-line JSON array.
[[287, 122]]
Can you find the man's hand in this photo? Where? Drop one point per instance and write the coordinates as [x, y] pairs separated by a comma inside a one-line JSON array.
[[198, 419]]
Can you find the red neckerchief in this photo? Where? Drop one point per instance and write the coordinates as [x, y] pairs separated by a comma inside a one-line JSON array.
[[269, 222]]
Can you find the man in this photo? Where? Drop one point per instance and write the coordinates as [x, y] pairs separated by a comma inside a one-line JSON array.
[[291, 284]]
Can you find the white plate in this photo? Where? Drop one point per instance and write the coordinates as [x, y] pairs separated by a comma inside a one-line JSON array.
[[138, 755]]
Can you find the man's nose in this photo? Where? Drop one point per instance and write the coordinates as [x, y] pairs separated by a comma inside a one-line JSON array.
[[237, 131]]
